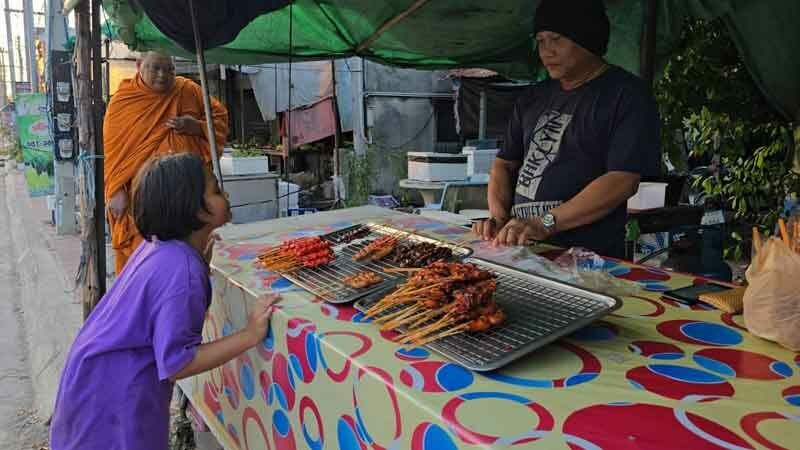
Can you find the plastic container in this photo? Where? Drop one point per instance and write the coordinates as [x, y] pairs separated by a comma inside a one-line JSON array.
[[432, 167], [288, 197], [244, 166], [479, 162], [649, 196]]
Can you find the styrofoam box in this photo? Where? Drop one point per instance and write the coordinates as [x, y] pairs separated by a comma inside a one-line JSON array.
[[243, 166], [479, 162], [428, 166], [649, 196], [288, 197]]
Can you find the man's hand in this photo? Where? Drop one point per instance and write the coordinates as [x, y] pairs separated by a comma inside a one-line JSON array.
[[186, 125], [487, 229], [258, 322], [118, 204], [521, 232]]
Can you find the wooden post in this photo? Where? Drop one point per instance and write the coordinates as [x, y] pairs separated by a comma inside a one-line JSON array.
[[87, 277], [796, 146], [99, 109]]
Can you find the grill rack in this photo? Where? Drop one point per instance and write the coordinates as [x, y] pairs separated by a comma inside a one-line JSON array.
[[538, 311], [326, 281]]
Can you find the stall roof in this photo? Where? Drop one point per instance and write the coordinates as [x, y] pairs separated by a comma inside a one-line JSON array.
[[451, 34]]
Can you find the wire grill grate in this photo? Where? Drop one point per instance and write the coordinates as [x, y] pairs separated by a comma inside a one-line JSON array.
[[538, 311], [326, 281]]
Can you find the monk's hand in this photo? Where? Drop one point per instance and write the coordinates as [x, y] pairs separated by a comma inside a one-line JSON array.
[[118, 203], [521, 232], [187, 125]]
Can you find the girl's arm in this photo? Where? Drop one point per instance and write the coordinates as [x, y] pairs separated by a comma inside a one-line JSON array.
[[217, 353]]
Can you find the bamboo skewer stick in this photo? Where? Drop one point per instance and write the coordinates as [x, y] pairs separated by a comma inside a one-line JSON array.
[[446, 333], [784, 233], [756, 241]]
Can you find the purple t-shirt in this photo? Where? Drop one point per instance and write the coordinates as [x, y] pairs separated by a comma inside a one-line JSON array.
[[115, 389]]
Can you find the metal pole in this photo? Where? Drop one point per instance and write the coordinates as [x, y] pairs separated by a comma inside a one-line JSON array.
[[647, 51], [482, 117], [240, 78], [10, 40], [30, 47], [201, 60], [98, 108]]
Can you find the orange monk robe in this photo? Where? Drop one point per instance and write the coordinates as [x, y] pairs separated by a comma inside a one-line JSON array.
[[134, 130]]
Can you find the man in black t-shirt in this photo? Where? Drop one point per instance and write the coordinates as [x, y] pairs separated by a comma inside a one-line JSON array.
[[577, 144]]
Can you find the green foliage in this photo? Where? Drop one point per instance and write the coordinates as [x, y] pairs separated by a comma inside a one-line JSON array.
[[358, 178], [248, 149], [707, 99]]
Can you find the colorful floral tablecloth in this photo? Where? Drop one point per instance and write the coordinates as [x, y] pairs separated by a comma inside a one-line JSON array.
[[653, 375]]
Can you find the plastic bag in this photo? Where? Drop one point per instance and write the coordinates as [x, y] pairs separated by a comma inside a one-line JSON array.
[[589, 270], [772, 299]]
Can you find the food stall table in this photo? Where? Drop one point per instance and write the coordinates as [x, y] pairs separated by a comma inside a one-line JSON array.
[[654, 374]]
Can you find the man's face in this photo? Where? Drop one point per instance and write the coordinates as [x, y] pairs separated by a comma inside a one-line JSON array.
[[562, 57], [157, 71]]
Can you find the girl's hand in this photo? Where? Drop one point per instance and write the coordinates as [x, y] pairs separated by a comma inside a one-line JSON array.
[[258, 323], [208, 253]]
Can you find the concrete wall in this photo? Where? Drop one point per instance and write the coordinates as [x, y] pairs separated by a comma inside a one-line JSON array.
[[400, 123]]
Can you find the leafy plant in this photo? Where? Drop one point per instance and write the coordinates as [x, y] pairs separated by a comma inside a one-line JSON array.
[[712, 111], [358, 178], [248, 149]]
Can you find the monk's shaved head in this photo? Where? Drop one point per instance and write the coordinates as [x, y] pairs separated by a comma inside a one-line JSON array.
[[157, 71]]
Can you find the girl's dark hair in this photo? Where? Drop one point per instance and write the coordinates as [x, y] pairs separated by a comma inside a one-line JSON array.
[[167, 195]]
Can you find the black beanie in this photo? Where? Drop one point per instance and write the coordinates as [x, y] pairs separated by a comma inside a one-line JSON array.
[[585, 22]]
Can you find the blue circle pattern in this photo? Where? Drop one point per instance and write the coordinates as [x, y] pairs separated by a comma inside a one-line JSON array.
[[347, 436], [714, 366], [711, 333], [452, 377], [594, 333], [793, 400], [685, 374], [227, 329], [361, 429], [269, 340], [277, 392], [436, 438], [280, 422], [781, 368], [311, 351], [414, 353], [247, 381], [573, 380]]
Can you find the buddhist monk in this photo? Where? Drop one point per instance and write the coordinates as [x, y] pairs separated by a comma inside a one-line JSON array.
[[153, 113]]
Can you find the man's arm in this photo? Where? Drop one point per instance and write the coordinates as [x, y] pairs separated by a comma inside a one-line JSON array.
[[500, 198], [594, 202], [501, 187], [597, 200]]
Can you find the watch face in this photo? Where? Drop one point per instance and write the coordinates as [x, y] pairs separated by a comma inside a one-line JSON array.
[[548, 220]]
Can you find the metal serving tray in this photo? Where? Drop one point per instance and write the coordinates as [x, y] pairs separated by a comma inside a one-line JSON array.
[[538, 310], [326, 281]]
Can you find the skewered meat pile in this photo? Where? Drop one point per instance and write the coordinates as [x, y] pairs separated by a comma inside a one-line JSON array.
[[377, 249], [440, 300], [363, 280], [419, 254], [352, 235], [308, 252]]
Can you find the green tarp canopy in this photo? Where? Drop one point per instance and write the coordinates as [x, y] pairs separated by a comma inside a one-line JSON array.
[[488, 34]]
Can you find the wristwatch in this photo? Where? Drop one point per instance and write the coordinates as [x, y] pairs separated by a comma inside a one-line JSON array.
[[549, 223]]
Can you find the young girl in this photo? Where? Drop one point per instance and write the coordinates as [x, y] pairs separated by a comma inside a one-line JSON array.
[[145, 333]]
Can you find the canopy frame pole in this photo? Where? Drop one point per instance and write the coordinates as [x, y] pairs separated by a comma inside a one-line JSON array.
[[201, 60], [647, 49], [389, 24]]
